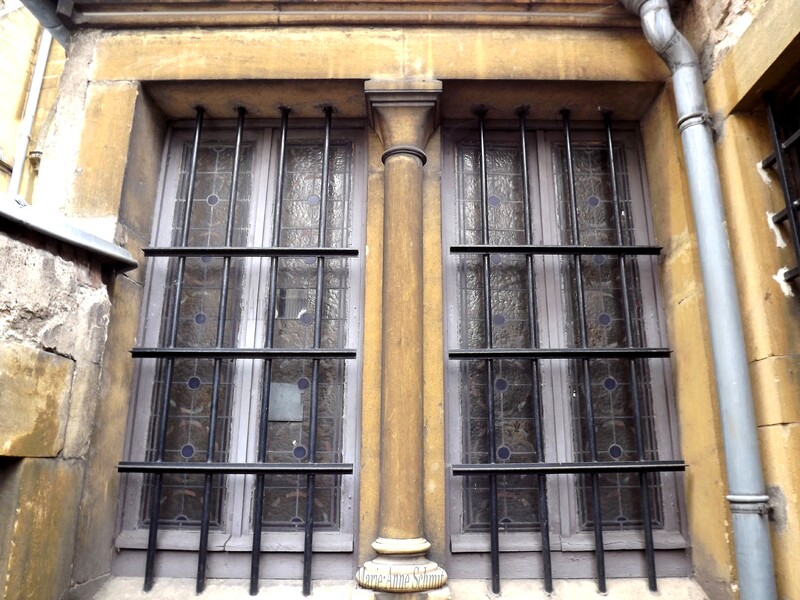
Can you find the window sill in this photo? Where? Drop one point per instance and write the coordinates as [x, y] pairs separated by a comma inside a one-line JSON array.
[[274, 541], [530, 541]]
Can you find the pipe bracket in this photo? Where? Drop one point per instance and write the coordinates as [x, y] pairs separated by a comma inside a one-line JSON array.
[[693, 118], [748, 504]]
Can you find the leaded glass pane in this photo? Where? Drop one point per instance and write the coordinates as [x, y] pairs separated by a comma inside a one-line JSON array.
[[289, 430], [514, 424], [611, 392], [190, 394]]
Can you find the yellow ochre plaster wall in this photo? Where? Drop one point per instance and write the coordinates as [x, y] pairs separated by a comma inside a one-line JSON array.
[[102, 160]]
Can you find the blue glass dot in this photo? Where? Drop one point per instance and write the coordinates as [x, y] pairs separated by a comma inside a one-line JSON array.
[[306, 318], [310, 260], [299, 452], [604, 319], [593, 200], [297, 520], [206, 259], [498, 320], [187, 451], [622, 519], [303, 383], [505, 521], [212, 199], [181, 518], [200, 318], [615, 451], [610, 383], [193, 383], [494, 201], [496, 259], [501, 384], [503, 453], [599, 259], [313, 199]]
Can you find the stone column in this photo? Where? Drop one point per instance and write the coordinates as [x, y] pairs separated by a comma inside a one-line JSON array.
[[403, 114]]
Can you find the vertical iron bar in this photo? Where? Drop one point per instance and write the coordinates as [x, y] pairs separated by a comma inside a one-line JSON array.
[[584, 340], [261, 456], [312, 436], [644, 489], [215, 384], [536, 390], [155, 500], [487, 317], [791, 213]]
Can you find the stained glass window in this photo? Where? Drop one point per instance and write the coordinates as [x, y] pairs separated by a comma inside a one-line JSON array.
[[244, 326], [551, 306]]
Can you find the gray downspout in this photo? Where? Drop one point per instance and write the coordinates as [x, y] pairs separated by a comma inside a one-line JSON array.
[[45, 13], [28, 117], [747, 495]]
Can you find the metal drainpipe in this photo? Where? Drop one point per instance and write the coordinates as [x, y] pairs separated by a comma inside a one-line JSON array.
[[747, 496], [24, 137], [45, 12]]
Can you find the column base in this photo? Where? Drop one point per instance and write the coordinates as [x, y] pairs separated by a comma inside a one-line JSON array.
[[401, 567]]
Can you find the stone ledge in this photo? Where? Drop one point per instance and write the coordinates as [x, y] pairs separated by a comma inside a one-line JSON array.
[[130, 588]]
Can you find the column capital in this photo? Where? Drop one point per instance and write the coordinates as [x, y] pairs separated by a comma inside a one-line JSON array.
[[404, 113]]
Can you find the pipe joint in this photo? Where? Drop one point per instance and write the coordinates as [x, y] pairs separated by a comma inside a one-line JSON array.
[[748, 503], [692, 119]]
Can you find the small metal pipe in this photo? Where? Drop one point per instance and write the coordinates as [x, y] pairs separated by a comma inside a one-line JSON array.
[[536, 377], [747, 496], [29, 115], [217, 374], [258, 497], [644, 490], [588, 405], [490, 400], [45, 13], [318, 300], [161, 439]]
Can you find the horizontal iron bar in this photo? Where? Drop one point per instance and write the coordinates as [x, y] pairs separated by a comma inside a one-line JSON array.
[[237, 468], [578, 467], [237, 251], [790, 141], [556, 353], [780, 216], [791, 274], [253, 353], [568, 250]]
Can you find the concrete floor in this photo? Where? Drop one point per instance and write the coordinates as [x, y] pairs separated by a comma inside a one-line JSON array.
[[130, 588]]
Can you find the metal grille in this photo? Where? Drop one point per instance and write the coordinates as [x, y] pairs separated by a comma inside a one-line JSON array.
[[191, 243], [494, 249], [785, 133]]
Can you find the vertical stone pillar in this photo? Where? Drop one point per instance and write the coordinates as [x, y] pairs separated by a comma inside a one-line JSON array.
[[403, 114]]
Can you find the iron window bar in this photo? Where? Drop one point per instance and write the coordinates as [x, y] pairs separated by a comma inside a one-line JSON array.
[[583, 353], [250, 251], [779, 159], [169, 353]]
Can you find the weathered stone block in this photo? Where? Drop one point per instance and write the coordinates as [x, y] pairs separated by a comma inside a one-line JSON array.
[[35, 391], [39, 505], [97, 519]]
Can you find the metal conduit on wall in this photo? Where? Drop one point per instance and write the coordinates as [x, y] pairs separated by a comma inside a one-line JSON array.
[[747, 496]]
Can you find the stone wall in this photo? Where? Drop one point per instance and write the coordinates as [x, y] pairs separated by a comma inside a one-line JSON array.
[[54, 314], [714, 26]]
